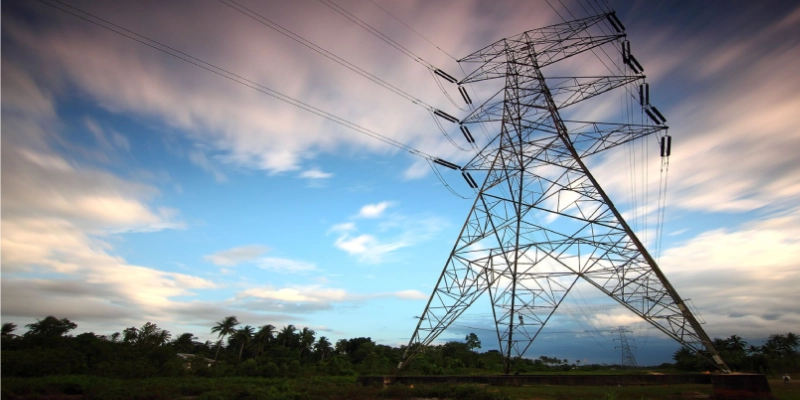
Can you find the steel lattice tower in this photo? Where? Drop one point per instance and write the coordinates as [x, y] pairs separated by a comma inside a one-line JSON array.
[[627, 359], [541, 221]]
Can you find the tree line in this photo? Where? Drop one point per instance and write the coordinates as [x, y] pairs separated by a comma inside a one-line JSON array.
[[778, 355], [48, 348]]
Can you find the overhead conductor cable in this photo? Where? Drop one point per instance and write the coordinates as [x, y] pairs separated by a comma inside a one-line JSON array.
[[91, 18]]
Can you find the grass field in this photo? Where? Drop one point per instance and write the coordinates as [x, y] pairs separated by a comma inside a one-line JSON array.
[[88, 387]]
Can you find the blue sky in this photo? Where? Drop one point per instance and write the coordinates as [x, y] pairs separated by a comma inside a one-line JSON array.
[[137, 187]]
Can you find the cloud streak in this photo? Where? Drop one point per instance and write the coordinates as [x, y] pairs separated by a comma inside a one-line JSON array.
[[236, 255]]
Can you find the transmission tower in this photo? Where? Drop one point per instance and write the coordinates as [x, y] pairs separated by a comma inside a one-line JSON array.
[[627, 355], [540, 220]]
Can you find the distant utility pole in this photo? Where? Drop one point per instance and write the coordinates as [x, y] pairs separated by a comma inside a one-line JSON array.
[[627, 355]]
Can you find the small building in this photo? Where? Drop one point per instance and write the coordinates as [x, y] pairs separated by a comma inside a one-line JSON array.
[[188, 359]]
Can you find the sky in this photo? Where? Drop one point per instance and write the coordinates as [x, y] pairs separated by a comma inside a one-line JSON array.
[[140, 187]]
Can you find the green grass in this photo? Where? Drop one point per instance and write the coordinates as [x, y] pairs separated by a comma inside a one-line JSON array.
[[96, 388], [785, 392], [200, 388], [605, 392]]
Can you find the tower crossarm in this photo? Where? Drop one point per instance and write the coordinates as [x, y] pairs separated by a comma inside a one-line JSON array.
[[554, 43], [566, 91], [587, 138]]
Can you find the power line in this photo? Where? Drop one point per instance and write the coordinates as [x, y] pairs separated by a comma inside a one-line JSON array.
[[399, 47], [413, 30], [86, 16], [360, 71], [470, 107], [410, 54], [325, 53]]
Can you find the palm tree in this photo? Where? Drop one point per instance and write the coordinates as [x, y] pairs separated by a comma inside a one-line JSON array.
[[737, 348], [792, 340], [286, 336], [264, 336], [323, 347], [780, 345], [737, 344], [51, 326], [185, 343], [129, 335], [243, 335], [341, 346], [224, 328], [306, 339], [9, 327], [163, 337]]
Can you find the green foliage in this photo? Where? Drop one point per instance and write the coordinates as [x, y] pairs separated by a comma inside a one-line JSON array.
[[777, 355], [8, 328], [473, 342], [292, 353], [50, 326], [465, 392], [38, 361], [337, 388]]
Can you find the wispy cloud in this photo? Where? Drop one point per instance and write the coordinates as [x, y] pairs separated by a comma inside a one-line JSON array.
[[315, 173], [199, 158], [316, 297], [373, 210], [286, 265], [236, 255], [368, 248], [393, 233], [58, 215], [736, 275]]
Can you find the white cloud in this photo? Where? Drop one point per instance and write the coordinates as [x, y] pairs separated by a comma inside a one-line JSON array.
[[343, 227], [236, 255], [297, 298], [285, 265], [411, 295], [247, 128], [315, 173], [33, 246], [59, 216], [400, 232], [738, 277], [297, 294], [734, 134], [38, 181], [368, 248], [356, 245], [373, 210]]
